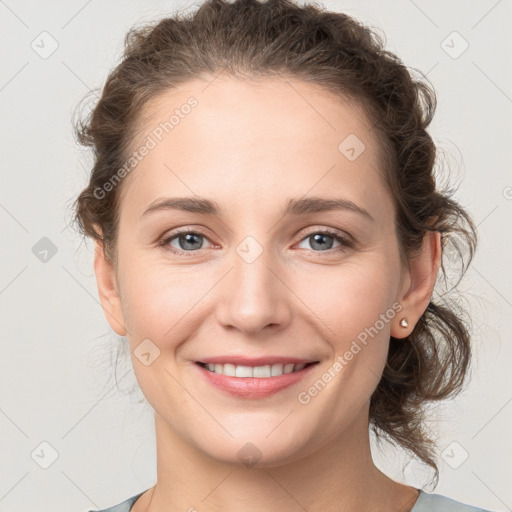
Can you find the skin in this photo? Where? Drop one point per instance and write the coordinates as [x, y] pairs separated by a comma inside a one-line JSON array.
[[251, 146]]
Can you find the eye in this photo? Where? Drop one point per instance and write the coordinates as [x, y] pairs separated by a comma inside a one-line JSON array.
[[187, 241], [320, 239]]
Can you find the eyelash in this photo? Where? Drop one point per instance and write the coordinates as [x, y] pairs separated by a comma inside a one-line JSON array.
[[346, 242]]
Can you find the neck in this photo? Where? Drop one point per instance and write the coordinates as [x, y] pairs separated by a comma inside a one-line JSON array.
[[341, 476]]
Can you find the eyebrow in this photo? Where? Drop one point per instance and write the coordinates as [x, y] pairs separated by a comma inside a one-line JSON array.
[[301, 206]]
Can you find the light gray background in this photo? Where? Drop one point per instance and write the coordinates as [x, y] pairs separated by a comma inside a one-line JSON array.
[[56, 374]]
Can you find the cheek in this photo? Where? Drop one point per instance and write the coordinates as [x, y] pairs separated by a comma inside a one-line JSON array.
[[353, 309], [350, 298], [159, 299], [158, 303]]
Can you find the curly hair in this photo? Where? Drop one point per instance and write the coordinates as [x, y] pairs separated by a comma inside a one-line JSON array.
[[251, 39]]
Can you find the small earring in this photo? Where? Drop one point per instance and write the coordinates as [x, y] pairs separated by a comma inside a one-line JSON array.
[[404, 322]]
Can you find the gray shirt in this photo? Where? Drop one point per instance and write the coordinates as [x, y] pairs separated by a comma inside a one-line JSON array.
[[425, 503]]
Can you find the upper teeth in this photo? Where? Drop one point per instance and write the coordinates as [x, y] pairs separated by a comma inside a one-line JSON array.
[[268, 370]]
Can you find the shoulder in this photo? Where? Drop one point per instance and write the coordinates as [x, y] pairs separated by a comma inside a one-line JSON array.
[[125, 506], [437, 503]]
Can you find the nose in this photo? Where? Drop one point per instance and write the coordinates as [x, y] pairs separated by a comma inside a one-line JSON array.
[[254, 296]]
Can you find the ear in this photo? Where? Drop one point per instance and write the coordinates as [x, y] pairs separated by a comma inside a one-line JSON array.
[[108, 290], [418, 284]]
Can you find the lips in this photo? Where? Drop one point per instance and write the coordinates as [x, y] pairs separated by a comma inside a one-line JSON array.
[[254, 377]]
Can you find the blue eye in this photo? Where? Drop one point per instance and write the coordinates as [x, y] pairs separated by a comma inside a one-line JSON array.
[[318, 238], [190, 242]]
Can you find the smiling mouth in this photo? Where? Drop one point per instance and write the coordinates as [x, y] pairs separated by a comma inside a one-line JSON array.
[[258, 372]]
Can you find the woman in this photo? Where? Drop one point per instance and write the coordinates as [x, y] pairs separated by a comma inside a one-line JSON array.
[[292, 149]]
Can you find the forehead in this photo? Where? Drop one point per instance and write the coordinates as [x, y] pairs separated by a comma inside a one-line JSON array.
[[247, 139]]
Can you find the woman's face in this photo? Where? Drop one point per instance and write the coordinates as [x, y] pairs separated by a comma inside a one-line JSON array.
[[257, 279]]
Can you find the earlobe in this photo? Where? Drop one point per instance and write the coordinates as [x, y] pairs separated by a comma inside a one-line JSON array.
[[108, 290], [419, 286]]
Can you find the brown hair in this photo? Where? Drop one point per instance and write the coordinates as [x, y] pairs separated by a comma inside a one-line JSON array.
[[249, 38]]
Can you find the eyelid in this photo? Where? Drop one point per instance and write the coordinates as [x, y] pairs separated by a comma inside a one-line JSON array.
[[166, 238], [328, 230], [347, 241]]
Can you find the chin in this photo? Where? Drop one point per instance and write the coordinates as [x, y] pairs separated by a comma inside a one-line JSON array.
[[258, 451]]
